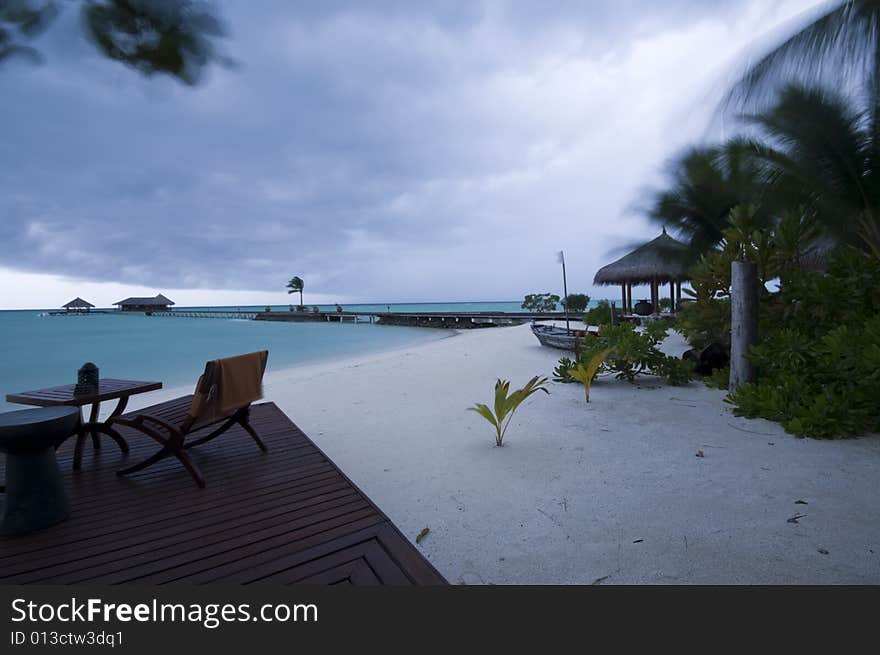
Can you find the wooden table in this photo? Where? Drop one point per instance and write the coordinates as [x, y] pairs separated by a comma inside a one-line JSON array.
[[108, 389]]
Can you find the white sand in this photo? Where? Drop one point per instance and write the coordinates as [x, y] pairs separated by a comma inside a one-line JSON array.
[[610, 491]]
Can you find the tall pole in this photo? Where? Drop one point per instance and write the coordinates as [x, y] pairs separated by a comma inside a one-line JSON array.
[[743, 321], [564, 290]]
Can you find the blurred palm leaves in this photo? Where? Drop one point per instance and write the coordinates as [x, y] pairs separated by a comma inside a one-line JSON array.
[[175, 37], [172, 37], [704, 184], [814, 99], [836, 46], [21, 20]]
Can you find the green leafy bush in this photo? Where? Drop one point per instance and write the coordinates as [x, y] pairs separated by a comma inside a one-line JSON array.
[[674, 371], [562, 371], [599, 315], [576, 302], [818, 370], [540, 302], [705, 321], [629, 353], [718, 379]]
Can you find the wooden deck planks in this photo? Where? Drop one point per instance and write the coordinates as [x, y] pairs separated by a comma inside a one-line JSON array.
[[288, 516]]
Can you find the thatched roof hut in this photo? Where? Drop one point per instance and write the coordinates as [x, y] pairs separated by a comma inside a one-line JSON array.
[[78, 305], [657, 262], [158, 303], [661, 260]]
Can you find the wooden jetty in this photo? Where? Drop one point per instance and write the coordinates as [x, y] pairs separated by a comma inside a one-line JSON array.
[[317, 317], [207, 313], [464, 320], [287, 516], [445, 320], [64, 312]]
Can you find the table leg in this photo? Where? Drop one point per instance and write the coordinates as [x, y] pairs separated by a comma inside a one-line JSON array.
[[109, 431], [93, 419], [103, 428], [94, 426], [80, 442]]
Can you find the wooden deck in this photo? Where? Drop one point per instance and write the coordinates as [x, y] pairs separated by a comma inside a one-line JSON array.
[[288, 516]]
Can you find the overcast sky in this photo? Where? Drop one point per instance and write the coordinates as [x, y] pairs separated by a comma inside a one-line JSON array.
[[382, 151]]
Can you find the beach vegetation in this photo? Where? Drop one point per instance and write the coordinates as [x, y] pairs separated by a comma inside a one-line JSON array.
[[506, 403], [718, 379], [585, 372], [703, 185], [598, 315], [562, 372], [811, 104], [540, 302], [628, 352], [576, 302], [174, 38], [818, 361]]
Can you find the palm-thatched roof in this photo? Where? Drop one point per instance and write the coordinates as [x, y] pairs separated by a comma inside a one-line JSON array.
[[662, 260], [159, 300], [78, 303]]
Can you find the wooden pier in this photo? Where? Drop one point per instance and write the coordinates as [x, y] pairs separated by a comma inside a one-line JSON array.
[[207, 313], [444, 320], [317, 317], [286, 516], [466, 320]]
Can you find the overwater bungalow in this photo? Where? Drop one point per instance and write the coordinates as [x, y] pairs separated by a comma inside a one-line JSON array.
[[78, 305], [157, 304], [660, 261]]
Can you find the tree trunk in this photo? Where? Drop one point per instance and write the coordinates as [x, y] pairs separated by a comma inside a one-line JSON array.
[[743, 321]]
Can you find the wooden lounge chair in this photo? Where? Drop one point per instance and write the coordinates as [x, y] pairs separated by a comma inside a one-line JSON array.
[[223, 394]]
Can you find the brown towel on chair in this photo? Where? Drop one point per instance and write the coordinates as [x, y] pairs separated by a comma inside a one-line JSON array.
[[229, 384]]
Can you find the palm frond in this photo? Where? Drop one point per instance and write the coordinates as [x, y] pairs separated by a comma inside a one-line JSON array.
[[838, 44]]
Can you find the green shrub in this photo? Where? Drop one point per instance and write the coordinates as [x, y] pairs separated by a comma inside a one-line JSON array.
[[630, 353], [818, 364], [718, 379], [562, 371], [540, 302], [576, 302], [674, 371], [705, 321], [599, 315]]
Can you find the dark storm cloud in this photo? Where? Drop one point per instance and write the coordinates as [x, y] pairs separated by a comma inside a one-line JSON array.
[[351, 139]]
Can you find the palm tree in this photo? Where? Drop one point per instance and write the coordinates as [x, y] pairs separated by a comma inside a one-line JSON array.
[[705, 184], [177, 38], [824, 149], [839, 46], [296, 285], [824, 145]]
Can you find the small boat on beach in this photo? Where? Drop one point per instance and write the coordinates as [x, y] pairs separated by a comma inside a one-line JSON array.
[[557, 337]]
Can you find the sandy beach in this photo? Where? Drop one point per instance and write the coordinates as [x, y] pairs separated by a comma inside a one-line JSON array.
[[607, 492]]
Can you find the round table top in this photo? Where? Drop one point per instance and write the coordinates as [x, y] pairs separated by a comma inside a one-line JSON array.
[[41, 417]]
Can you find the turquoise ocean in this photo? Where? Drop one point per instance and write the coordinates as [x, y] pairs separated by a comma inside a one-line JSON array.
[[38, 351]]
